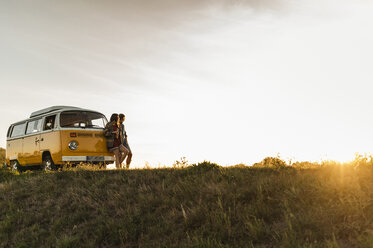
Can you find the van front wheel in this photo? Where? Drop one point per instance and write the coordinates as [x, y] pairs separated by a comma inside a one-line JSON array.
[[15, 166], [48, 164]]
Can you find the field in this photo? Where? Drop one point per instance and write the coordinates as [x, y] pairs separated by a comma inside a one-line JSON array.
[[270, 204]]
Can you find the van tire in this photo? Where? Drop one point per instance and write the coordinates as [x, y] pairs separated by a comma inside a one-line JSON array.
[[48, 164], [15, 166], [102, 166]]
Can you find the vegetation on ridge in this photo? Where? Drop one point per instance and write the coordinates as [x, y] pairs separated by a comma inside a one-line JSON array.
[[200, 206]]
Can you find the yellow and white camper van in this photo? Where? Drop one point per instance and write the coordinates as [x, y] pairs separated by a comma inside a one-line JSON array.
[[58, 135]]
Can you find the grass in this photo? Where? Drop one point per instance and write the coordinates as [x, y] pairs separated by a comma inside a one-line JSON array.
[[273, 205]]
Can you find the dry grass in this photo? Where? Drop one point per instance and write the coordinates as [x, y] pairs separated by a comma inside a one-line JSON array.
[[327, 205]]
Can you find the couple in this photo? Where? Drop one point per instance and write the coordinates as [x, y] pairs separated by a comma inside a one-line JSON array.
[[116, 140]]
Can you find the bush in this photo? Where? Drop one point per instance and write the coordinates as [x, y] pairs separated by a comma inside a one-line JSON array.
[[271, 162], [205, 166]]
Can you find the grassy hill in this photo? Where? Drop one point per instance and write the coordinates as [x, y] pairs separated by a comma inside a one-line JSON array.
[[200, 206]]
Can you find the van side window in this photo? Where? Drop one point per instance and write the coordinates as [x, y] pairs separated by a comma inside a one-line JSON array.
[[33, 126], [49, 122], [18, 130]]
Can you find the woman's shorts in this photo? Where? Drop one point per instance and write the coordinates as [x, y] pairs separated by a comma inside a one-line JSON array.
[[113, 149]]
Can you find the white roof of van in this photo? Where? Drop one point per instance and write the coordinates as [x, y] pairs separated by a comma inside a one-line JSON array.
[[51, 109], [54, 109]]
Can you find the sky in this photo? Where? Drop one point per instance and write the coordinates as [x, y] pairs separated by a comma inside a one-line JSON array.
[[222, 80]]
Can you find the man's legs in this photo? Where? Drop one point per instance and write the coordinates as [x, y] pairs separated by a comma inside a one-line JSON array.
[[129, 157], [124, 152]]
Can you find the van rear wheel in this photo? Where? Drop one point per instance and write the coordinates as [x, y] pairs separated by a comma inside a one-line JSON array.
[[48, 164]]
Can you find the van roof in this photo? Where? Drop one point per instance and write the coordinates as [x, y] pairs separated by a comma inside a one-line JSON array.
[[53, 109]]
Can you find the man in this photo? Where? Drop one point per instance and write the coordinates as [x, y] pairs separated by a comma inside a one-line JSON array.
[[123, 136]]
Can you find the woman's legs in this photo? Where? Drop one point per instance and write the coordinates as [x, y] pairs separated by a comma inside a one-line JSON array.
[[118, 157]]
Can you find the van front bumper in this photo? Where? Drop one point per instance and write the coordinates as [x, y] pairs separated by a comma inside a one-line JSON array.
[[88, 159]]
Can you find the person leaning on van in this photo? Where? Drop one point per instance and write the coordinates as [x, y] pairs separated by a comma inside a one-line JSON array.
[[124, 140], [113, 142]]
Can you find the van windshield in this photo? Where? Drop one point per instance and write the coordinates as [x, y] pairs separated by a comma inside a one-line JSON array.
[[80, 119]]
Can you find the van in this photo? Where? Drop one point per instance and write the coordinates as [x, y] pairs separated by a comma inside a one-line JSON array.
[[56, 136]]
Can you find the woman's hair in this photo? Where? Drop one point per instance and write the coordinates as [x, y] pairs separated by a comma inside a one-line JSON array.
[[114, 117]]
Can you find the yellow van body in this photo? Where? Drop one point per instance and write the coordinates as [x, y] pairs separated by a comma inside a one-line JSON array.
[[54, 133]]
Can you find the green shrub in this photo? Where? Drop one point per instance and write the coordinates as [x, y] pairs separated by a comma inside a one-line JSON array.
[[204, 166], [271, 162]]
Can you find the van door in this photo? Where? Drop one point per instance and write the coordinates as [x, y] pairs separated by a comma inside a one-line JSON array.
[[14, 149], [50, 139], [31, 143]]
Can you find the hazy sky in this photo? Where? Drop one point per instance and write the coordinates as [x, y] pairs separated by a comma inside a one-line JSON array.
[[226, 81]]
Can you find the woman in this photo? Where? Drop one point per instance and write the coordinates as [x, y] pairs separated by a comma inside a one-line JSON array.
[[113, 142], [124, 141]]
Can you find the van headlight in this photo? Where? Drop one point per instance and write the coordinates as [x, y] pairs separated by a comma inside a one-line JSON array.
[[73, 145]]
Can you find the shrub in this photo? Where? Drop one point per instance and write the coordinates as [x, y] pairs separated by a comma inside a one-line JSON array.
[[204, 166], [271, 162], [362, 160]]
